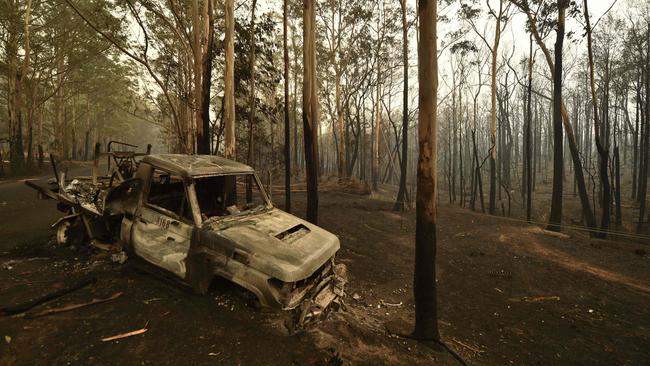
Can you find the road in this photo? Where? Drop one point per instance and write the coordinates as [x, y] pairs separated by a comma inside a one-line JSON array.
[[24, 218]]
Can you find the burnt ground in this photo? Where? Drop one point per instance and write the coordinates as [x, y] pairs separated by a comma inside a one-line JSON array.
[[508, 294]]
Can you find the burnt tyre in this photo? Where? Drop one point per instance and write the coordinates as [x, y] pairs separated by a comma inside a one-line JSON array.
[[70, 232]]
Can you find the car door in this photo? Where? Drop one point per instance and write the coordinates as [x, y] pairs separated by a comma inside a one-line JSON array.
[[162, 226]]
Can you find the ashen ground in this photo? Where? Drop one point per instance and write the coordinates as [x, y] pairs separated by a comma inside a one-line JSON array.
[[508, 294]]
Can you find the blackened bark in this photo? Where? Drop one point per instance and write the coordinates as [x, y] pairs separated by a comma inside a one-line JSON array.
[[635, 158], [401, 194], [617, 189], [204, 139], [287, 127], [40, 156], [424, 284], [643, 186], [555, 219], [600, 135], [529, 170], [310, 109], [477, 173]]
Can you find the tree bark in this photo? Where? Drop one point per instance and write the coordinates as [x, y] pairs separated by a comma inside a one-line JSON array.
[[555, 219], [229, 82], [204, 137], [401, 193], [598, 134], [493, 115], [251, 97], [529, 152], [645, 151], [310, 114], [587, 211], [424, 287], [287, 127]]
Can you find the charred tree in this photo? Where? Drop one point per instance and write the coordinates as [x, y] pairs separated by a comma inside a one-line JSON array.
[[287, 126], [528, 137], [424, 287], [229, 82], [310, 108], [555, 219], [587, 210], [599, 135], [401, 193]]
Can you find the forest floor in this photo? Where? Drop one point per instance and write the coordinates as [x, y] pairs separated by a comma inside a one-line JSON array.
[[509, 293]]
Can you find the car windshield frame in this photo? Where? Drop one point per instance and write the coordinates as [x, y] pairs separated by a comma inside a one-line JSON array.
[[195, 201]]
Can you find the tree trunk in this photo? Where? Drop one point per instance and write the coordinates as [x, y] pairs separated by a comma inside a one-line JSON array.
[[617, 174], [529, 152], [229, 82], [197, 73], [339, 122], [598, 134], [555, 219], [424, 286], [375, 141], [587, 211], [252, 104], [310, 108], [251, 97], [401, 193], [205, 137], [643, 184], [287, 127], [493, 115]]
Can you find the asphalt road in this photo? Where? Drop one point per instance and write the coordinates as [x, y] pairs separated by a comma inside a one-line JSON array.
[[24, 218]]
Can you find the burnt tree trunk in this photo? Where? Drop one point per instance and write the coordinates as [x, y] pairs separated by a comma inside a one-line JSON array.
[[424, 286], [529, 170], [599, 135], [555, 219], [401, 193], [310, 109], [287, 127], [204, 138], [230, 142]]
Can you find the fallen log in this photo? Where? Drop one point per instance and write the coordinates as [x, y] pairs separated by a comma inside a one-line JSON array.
[[17, 309], [70, 307]]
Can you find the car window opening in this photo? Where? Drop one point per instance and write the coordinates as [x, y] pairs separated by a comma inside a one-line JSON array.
[[168, 192], [226, 195]]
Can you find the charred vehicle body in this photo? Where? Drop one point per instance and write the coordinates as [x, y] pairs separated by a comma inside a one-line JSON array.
[[201, 216]]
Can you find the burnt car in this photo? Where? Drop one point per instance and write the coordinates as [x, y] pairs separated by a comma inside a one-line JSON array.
[[201, 216]]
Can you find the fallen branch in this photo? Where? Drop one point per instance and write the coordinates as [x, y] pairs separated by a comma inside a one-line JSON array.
[[72, 306], [535, 299], [126, 335], [382, 302], [473, 349], [541, 298], [556, 234], [45, 298]]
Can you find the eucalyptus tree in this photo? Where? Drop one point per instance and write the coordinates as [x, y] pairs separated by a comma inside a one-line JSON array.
[[401, 193], [424, 287], [342, 21], [310, 108], [229, 80], [540, 21], [501, 18], [175, 44], [555, 219]]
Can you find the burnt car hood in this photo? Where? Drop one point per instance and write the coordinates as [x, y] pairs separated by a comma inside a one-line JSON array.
[[273, 242]]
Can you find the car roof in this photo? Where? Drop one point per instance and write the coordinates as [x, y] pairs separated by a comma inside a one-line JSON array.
[[196, 165]]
